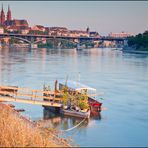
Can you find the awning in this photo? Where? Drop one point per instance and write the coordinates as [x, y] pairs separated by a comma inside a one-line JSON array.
[[75, 85]]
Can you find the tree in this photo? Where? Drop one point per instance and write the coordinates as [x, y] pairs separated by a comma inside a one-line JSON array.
[[140, 41]]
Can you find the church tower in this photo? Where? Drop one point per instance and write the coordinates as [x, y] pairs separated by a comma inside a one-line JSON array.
[[87, 30], [9, 14], [2, 19]]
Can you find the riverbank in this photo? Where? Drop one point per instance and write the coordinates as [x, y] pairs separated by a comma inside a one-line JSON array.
[[133, 50], [18, 131]]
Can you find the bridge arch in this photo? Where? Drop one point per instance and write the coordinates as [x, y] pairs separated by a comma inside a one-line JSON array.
[[19, 38], [22, 39]]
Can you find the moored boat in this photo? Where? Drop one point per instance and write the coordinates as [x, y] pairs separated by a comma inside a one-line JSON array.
[[75, 113], [76, 99], [79, 88]]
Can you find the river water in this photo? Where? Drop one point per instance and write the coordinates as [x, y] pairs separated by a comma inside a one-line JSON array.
[[123, 78]]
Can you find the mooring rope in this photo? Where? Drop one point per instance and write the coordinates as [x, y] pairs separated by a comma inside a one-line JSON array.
[[73, 126]]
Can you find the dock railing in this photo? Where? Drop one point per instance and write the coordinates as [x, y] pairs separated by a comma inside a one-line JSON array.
[[26, 95]]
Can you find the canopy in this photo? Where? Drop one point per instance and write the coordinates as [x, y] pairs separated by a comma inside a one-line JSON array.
[[76, 85]]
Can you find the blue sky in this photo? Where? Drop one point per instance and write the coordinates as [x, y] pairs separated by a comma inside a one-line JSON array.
[[101, 16]]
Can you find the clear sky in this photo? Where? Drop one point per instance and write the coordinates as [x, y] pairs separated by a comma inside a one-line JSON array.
[[101, 16]]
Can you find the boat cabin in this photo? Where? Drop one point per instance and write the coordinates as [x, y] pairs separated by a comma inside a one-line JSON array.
[[75, 86]]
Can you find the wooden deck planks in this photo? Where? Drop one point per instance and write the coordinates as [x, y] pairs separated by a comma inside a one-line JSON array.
[[29, 101], [31, 96]]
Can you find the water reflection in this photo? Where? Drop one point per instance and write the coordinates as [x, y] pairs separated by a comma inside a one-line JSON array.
[[123, 77], [59, 121]]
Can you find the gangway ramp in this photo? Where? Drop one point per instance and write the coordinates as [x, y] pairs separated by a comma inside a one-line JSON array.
[[30, 96]]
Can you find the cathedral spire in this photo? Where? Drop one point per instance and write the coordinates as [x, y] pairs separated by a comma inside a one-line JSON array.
[[9, 14], [2, 18], [8, 8], [2, 8], [87, 29]]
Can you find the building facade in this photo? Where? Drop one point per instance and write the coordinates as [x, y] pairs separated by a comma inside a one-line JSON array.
[[120, 35]]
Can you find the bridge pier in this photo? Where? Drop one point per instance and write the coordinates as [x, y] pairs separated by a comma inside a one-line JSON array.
[[33, 46], [125, 43]]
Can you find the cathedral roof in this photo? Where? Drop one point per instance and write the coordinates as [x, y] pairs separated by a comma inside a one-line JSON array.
[[16, 23]]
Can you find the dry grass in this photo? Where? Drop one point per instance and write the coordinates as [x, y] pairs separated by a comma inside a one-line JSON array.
[[16, 132]]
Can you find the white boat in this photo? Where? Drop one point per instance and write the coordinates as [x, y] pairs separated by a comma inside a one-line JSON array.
[[80, 114]]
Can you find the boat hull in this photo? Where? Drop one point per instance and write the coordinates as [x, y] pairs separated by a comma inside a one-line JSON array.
[[75, 113], [94, 105]]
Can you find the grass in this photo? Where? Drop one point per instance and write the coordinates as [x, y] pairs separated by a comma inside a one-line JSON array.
[[18, 132]]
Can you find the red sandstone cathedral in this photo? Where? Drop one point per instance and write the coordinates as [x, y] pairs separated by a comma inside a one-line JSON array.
[[2, 19], [8, 22]]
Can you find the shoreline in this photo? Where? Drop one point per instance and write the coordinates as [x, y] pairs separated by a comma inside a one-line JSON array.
[[132, 50], [48, 137]]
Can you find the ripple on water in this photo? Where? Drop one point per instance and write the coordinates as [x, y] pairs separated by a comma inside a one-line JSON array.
[[122, 77]]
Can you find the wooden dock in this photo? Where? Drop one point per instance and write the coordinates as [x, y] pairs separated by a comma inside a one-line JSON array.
[[30, 96]]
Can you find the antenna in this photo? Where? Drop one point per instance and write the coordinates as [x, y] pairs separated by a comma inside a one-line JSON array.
[[78, 81], [44, 86], [66, 80], [79, 76], [56, 83]]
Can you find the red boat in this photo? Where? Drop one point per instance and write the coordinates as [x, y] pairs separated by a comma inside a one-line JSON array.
[[94, 105]]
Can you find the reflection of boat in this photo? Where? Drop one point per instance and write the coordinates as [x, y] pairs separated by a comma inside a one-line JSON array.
[[52, 119], [95, 115], [0, 45], [76, 88]]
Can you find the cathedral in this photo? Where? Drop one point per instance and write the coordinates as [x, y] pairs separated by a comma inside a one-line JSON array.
[[2, 16], [8, 22]]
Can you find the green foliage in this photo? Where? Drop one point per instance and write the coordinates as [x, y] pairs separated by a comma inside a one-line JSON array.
[[80, 100], [55, 43], [14, 41], [89, 44], [65, 98], [139, 42], [83, 102], [83, 105], [47, 45]]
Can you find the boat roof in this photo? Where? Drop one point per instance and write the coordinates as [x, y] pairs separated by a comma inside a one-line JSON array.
[[76, 85]]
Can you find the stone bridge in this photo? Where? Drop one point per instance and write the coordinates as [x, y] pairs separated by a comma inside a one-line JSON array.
[[36, 39]]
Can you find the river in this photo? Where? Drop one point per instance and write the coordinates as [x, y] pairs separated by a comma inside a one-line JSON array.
[[123, 77]]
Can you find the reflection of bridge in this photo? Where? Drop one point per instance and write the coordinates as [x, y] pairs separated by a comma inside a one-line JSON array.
[[35, 39]]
